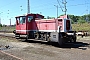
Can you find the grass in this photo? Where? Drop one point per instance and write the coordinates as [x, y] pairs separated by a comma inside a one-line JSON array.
[[7, 28], [81, 27], [75, 27]]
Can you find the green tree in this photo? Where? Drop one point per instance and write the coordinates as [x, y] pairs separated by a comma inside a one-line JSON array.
[[48, 17], [4, 25], [74, 18], [0, 25], [79, 19]]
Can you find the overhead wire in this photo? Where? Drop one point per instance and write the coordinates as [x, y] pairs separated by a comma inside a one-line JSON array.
[[86, 4], [70, 0], [39, 6], [45, 5], [44, 8], [78, 4], [59, 5]]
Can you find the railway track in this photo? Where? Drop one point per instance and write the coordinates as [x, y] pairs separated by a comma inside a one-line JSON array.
[[7, 34], [11, 35], [52, 50], [78, 44]]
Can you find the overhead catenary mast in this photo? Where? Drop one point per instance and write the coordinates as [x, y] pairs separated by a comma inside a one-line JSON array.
[[64, 2], [28, 7], [87, 11]]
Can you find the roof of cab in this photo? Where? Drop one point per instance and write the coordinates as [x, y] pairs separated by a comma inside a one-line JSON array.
[[26, 15]]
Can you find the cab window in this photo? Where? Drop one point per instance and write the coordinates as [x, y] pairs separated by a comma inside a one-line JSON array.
[[30, 18], [17, 20], [22, 19]]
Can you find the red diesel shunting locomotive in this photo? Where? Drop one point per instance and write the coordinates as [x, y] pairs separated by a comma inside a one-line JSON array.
[[34, 26]]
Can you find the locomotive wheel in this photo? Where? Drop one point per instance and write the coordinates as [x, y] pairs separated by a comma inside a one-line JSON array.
[[45, 37], [27, 37], [48, 40], [17, 36], [60, 41], [74, 39], [37, 36]]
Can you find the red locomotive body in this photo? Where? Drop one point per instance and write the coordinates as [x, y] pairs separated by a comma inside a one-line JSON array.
[[35, 26], [52, 25]]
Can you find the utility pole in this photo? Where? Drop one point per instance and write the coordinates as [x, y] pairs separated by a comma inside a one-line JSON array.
[[28, 7], [10, 22], [87, 11], [57, 9], [64, 2], [57, 18], [0, 17]]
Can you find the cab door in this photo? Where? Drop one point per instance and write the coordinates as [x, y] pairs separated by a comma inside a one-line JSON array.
[[18, 25], [22, 25]]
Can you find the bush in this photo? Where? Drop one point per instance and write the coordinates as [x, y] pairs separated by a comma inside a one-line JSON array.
[[81, 27], [81, 21]]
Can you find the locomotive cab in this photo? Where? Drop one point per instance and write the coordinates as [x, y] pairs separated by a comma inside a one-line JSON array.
[[20, 25], [25, 24]]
